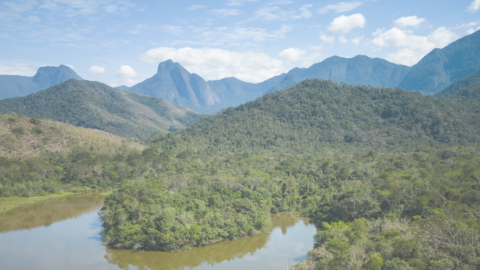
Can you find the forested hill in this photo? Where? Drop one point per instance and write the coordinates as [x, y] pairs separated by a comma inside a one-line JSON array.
[[317, 113], [470, 93], [98, 106], [459, 85]]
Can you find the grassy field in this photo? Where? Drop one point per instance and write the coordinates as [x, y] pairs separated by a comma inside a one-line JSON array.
[[8, 203]]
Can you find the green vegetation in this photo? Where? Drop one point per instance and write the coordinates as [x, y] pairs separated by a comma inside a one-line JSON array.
[[42, 157], [349, 157], [316, 114], [385, 173], [465, 82], [22, 137], [9, 203], [98, 106]]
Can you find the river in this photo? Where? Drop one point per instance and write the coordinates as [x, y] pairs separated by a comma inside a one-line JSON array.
[[64, 234]]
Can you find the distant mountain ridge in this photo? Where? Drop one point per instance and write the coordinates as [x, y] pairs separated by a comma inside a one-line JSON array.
[[18, 86], [175, 84], [98, 106], [357, 70], [435, 71], [441, 67]]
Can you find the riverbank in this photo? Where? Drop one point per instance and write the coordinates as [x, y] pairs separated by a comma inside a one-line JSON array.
[[9, 203]]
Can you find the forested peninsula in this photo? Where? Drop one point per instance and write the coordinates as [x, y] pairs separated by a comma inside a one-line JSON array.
[[386, 175]]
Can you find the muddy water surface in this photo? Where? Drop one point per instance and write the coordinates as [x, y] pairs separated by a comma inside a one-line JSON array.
[[64, 234]]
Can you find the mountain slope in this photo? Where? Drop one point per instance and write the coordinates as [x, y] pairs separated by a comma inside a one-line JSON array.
[[357, 70], [22, 136], [233, 92], [96, 105], [460, 84], [441, 67], [317, 113], [175, 84], [471, 92], [18, 86]]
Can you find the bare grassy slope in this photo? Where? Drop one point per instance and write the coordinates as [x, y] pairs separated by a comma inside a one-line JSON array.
[[22, 136]]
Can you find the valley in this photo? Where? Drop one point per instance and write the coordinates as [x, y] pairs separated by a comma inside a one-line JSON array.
[[365, 163]]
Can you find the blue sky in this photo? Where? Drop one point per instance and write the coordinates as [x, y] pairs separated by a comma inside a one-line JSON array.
[[122, 42]]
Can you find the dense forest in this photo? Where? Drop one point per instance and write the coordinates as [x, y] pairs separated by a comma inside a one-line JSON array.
[[391, 178], [375, 169], [317, 113], [98, 106]]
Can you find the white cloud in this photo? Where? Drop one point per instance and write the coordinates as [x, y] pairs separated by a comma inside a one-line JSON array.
[[71, 66], [213, 64], [270, 13], [96, 70], [341, 7], [342, 40], [474, 6], [279, 2], [239, 2], [130, 82], [226, 12], [411, 48], [18, 67], [327, 39], [304, 12], [110, 8], [344, 24], [357, 40], [224, 35], [193, 7], [292, 54], [411, 21], [126, 71]]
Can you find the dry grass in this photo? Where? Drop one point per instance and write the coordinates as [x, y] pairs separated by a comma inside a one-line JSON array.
[[20, 138], [8, 203]]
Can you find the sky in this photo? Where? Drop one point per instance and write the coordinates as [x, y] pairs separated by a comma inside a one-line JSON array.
[[121, 42]]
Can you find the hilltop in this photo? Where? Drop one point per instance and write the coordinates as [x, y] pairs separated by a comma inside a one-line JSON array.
[[98, 106], [19, 86], [317, 113]]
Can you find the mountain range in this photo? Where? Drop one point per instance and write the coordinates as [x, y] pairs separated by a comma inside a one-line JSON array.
[[98, 106], [442, 67], [172, 82], [435, 71], [18, 86]]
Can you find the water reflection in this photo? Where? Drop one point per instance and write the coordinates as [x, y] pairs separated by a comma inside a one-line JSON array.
[[64, 234], [209, 255], [47, 212]]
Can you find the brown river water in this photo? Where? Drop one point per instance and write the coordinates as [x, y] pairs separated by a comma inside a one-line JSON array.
[[64, 234]]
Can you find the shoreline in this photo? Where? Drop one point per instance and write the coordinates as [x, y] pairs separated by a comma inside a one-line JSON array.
[[10, 203]]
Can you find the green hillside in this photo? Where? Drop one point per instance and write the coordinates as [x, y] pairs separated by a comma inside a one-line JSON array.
[[98, 106], [22, 137], [460, 84], [469, 93], [316, 114]]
